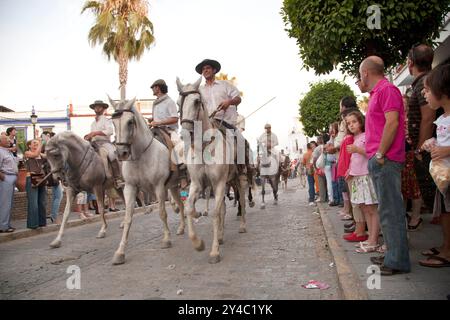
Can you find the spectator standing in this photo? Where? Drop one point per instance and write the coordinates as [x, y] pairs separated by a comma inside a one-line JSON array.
[[385, 147], [8, 177], [307, 163], [11, 133]]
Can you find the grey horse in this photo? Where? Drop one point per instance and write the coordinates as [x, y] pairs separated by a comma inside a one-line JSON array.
[[204, 173], [80, 168], [146, 165], [268, 169]]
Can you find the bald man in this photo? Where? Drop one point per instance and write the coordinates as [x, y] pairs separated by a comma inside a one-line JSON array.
[[385, 148]]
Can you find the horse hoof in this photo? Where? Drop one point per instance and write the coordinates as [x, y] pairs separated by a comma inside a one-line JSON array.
[[201, 246], [166, 245], [180, 232], [263, 206], [205, 214], [214, 259], [119, 258], [121, 226], [101, 235], [242, 230], [251, 204], [275, 202], [55, 244], [221, 241]]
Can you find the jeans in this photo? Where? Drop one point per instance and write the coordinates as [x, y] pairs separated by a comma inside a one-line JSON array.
[[311, 188], [6, 200], [337, 194], [37, 201], [329, 177], [387, 181], [56, 201]]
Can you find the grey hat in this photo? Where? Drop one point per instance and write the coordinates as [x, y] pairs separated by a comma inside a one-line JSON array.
[[99, 103], [208, 62], [159, 82]]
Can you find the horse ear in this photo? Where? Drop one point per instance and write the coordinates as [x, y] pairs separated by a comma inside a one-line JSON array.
[[130, 104], [179, 85], [113, 104], [197, 84]]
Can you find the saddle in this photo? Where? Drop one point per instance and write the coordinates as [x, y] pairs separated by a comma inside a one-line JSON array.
[[162, 135]]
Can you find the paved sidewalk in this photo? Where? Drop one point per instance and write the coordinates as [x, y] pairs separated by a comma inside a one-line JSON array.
[[421, 283]]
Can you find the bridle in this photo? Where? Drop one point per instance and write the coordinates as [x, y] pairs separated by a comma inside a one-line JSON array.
[[183, 98], [118, 115]]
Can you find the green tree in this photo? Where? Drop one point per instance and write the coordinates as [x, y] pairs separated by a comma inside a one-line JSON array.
[[332, 33], [124, 30], [320, 106]]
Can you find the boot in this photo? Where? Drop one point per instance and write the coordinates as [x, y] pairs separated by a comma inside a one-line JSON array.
[[117, 174]]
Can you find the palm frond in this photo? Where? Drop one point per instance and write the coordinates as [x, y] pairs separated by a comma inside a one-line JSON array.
[[95, 6]]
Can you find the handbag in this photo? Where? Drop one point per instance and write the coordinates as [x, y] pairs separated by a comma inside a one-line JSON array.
[[37, 173]]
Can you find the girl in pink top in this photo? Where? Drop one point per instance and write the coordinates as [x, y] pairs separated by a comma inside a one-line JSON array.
[[362, 190]]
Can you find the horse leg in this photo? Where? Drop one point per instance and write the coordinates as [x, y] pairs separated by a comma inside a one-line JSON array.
[[122, 197], [236, 199], [241, 188], [130, 198], [274, 185], [161, 194], [175, 192], [100, 195], [69, 200], [251, 203], [194, 192], [219, 192], [263, 192], [207, 196]]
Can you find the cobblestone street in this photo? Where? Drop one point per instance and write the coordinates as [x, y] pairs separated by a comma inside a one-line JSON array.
[[284, 247]]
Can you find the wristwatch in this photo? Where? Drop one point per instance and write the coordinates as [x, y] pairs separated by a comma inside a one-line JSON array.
[[379, 155]]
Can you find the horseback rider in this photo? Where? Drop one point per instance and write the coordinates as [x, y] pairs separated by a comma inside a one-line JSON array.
[[100, 138], [165, 117], [222, 98]]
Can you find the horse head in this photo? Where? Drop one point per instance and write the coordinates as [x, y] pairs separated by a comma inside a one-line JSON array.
[[57, 155], [190, 104], [125, 125]]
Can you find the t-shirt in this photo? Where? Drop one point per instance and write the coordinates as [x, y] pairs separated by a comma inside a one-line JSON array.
[[358, 162], [385, 97], [443, 131], [164, 108], [415, 103], [344, 156]]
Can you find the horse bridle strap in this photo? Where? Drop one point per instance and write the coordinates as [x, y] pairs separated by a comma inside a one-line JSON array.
[[116, 115], [184, 95]]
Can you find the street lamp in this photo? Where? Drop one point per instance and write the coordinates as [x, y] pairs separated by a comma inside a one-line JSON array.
[[33, 121]]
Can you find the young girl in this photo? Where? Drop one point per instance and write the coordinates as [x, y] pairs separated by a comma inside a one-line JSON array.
[[362, 190], [437, 94]]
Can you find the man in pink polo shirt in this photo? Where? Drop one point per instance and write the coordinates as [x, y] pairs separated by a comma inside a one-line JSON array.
[[385, 148]]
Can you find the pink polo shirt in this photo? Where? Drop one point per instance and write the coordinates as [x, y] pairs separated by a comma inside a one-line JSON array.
[[385, 97], [358, 162]]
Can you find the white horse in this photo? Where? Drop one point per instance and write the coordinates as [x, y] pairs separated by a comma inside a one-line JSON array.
[[215, 173], [146, 165], [75, 162]]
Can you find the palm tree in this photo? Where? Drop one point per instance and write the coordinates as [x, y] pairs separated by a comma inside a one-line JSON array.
[[124, 30]]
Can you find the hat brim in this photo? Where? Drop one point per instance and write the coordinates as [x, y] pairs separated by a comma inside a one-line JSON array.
[[104, 105], [213, 63]]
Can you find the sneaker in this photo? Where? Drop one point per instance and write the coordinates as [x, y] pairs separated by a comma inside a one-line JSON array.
[[349, 224], [312, 204], [350, 229], [386, 271], [378, 260]]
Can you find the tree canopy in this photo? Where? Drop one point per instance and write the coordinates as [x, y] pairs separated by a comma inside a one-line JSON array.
[[320, 106], [341, 33]]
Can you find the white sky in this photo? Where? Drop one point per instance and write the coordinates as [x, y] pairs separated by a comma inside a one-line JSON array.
[[46, 60]]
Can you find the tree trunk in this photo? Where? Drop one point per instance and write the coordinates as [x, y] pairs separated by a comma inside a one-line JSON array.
[[123, 74]]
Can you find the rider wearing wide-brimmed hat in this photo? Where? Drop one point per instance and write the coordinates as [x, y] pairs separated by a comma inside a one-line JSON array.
[[100, 137], [222, 98]]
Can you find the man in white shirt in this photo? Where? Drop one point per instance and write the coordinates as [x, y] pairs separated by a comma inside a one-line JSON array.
[[223, 97], [100, 137], [266, 152]]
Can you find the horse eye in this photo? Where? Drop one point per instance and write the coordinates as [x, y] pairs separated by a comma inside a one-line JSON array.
[[130, 123]]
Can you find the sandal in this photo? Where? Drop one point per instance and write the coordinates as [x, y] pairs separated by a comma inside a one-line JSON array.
[[416, 227], [445, 262], [431, 252], [347, 217], [361, 244], [381, 249], [9, 230], [367, 249]]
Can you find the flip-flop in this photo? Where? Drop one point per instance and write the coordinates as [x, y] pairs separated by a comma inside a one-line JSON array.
[[445, 262], [367, 249], [434, 252]]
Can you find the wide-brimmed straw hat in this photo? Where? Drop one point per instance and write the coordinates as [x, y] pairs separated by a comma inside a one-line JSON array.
[[208, 62], [99, 103]]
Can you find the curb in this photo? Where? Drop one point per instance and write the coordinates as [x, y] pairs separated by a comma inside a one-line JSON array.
[[26, 233], [348, 278]]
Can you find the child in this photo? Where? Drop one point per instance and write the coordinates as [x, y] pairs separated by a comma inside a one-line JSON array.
[[362, 190], [343, 163], [437, 94]]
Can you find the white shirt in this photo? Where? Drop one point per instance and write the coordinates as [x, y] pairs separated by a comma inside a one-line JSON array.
[[104, 125], [443, 131], [265, 138], [165, 108], [215, 94]]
